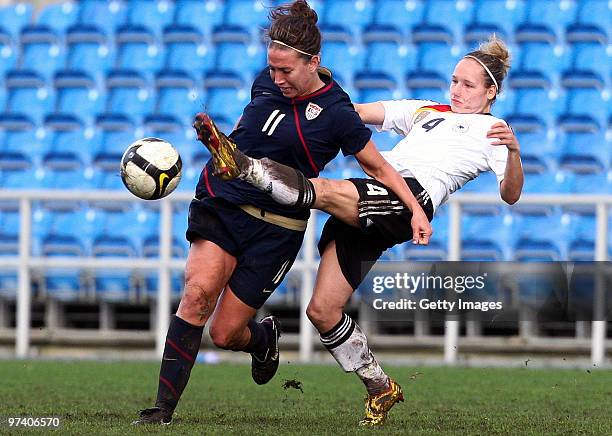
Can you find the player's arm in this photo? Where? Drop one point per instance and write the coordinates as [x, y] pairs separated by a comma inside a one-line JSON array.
[[375, 166], [511, 186], [371, 113]]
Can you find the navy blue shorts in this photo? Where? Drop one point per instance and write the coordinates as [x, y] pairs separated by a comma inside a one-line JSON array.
[[264, 252]]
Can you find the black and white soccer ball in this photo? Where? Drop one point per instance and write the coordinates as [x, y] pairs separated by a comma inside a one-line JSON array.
[[151, 168]]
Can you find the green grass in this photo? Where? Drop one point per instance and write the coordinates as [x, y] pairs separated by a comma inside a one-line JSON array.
[[103, 398]]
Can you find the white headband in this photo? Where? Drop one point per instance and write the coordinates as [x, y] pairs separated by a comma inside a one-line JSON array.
[[296, 49], [487, 70]]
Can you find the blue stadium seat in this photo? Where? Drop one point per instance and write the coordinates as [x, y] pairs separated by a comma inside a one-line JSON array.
[[120, 219], [353, 14], [15, 16], [41, 50], [595, 12], [88, 50], [9, 246], [586, 95], [249, 13], [589, 48], [114, 285], [454, 14], [63, 284], [137, 49], [17, 170], [588, 150], [374, 86], [114, 132], [533, 95], [541, 176], [476, 33], [187, 50], [28, 93], [427, 85], [128, 93], [226, 93], [190, 13], [77, 94], [540, 237], [154, 14], [385, 48], [63, 133], [59, 16], [177, 95], [339, 51], [8, 53], [108, 15], [581, 245], [538, 49], [64, 170], [556, 14], [237, 51], [399, 13], [502, 13], [18, 134], [435, 48], [485, 235], [533, 136]]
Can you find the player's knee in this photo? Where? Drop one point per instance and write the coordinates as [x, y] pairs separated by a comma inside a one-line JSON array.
[[316, 313], [197, 303], [223, 338]]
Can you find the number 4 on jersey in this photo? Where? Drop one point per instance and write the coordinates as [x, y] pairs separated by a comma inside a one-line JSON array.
[[376, 190], [432, 123]]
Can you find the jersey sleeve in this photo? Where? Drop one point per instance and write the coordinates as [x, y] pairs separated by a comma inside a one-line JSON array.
[[399, 113], [497, 157], [350, 132]]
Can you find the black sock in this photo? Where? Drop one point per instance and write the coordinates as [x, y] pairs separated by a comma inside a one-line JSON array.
[[182, 345], [258, 344]]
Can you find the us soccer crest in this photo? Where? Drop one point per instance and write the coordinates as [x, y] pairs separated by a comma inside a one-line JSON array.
[[312, 111]]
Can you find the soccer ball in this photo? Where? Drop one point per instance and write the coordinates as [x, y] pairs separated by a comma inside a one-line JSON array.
[[151, 168]]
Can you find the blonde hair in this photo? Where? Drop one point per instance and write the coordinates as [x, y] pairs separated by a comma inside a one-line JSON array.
[[495, 58]]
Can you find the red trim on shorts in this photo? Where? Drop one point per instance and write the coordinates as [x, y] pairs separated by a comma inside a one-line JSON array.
[[178, 350], [299, 131], [169, 385], [439, 107], [208, 188]]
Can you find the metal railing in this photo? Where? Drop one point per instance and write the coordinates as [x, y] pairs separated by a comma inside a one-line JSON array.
[[306, 265]]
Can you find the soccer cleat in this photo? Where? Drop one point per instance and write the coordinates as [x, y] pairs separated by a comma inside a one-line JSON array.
[[377, 406], [264, 369], [220, 146], [153, 415]]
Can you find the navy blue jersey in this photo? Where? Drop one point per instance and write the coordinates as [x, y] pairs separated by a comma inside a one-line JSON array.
[[304, 132]]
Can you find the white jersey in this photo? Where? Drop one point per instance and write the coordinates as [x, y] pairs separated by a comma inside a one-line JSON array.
[[443, 150]]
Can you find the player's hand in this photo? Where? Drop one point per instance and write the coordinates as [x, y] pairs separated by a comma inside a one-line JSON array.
[[505, 136], [421, 228]]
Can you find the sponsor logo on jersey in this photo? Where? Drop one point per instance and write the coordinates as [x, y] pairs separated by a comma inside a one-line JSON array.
[[312, 111]]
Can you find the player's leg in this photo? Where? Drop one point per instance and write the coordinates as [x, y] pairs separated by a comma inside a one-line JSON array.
[[202, 289], [345, 340]]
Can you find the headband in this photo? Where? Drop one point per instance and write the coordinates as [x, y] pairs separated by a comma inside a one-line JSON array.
[[487, 70], [296, 49]]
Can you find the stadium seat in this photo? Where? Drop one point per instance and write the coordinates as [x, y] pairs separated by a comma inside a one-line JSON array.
[[89, 50], [77, 94], [374, 86], [588, 48], [581, 244], [177, 95], [41, 50], [137, 49], [555, 14], [15, 16], [191, 13], [585, 151], [114, 285], [438, 12], [187, 50], [586, 94], [154, 14], [502, 13], [18, 134], [542, 176], [62, 132], [114, 132], [533, 95], [476, 33], [64, 170], [352, 14], [538, 50], [595, 12], [251, 14], [129, 93], [225, 93], [340, 52], [385, 48], [59, 16], [237, 51], [9, 246], [533, 136], [427, 85], [8, 53], [63, 284], [399, 13], [107, 15], [435, 48], [28, 94], [18, 170], [539, 237]]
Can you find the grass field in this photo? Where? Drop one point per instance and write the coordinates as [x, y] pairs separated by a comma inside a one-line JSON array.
[[103, 398]]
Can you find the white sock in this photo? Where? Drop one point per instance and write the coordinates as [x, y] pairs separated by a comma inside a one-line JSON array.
[[373, 377]]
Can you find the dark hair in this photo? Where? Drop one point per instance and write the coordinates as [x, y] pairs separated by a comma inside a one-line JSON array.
[[494, 54], [295, 24]]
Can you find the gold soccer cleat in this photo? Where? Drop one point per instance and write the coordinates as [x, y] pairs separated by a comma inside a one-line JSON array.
[[377, 406], [220, 146]]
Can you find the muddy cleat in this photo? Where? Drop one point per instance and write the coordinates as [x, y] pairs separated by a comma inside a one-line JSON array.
[[220, 146], [264, 368], [153, 415], [377, 406]]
